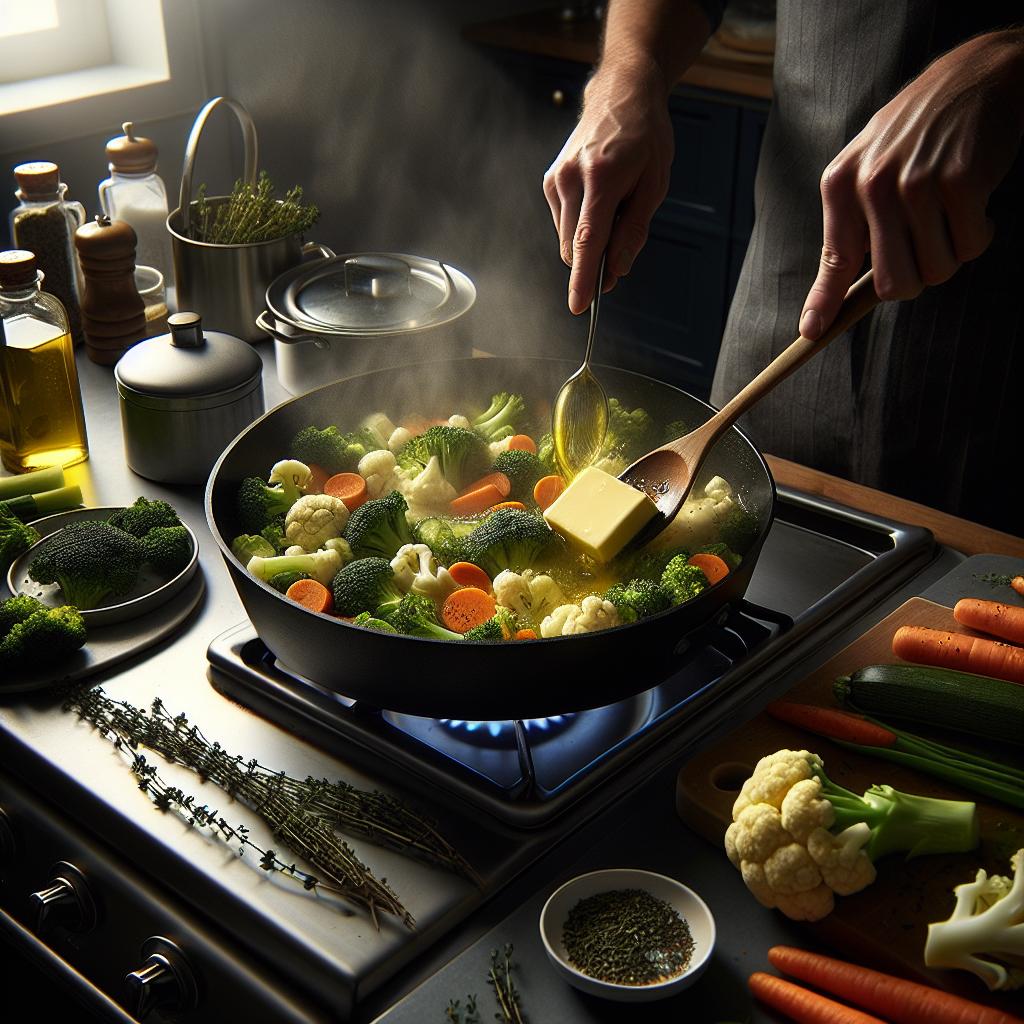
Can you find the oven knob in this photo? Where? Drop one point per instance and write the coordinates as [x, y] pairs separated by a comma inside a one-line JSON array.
[[165, 981], [66, 902]]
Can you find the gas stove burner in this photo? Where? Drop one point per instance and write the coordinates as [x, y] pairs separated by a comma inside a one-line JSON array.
[[495, 730]]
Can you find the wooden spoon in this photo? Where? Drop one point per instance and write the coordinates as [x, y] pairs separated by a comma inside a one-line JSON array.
[[667, 474]]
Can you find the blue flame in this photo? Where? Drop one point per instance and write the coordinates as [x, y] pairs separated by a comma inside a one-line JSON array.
[[497, 728]]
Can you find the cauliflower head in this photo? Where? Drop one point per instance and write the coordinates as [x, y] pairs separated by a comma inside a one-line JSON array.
[[591, 615], [314, 519], [527, 593]]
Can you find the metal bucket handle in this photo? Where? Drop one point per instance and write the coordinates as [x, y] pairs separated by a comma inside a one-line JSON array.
[[248, 138]]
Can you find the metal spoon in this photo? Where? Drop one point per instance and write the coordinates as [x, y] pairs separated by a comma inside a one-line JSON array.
[[667, 474], [579, 419]]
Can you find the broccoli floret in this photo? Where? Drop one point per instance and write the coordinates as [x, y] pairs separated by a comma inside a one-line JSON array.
[[546, 452], [367, 621], [682, 580], [523, 470], [724, 552], [281, 581], [330, 449], [260, 504], [502, 418], [366, 585], [487, 632], [168, 549], [46, 636], [246, 545], [15, 537], [379, 527], [417, 616], [463, 456], [738, 529], [649, 565], [17, 609], [638, 598], [630, 432], [512, 539], [91, 561], [144, 515], [274, 535]]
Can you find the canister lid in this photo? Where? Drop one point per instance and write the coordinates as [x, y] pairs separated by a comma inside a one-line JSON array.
[[17, 268], [370, 293], [188, 364], [38, 178], [131, 153]]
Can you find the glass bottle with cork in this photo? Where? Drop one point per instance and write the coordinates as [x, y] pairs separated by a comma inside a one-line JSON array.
[[44, 223], [41, 418], [135, 193]]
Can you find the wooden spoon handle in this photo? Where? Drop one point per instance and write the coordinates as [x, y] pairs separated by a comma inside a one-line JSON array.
[[859, 301]]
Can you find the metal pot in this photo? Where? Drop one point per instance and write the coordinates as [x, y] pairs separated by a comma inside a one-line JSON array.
[[436, 678], [184, 396], [348, 314]]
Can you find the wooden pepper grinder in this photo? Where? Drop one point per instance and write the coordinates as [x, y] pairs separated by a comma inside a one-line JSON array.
[[113, 313]]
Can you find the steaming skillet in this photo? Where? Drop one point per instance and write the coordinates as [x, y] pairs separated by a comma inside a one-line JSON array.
[[449, 679]]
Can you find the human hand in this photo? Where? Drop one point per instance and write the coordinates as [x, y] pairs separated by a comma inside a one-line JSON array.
[[610, 177], [913, 186]]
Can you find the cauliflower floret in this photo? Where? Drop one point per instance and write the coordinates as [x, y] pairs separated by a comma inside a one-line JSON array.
[[314, 519], [380, 425], [457, 420], [415, 570], [380, 471], [844, 865], [527, 593], [428, 493], [560, 621], [293, 472], [812, 905], [592, 614], [791, 869], [295, 549], [718, 489], [774, 776], [759, 833], [399, 438], [753, 877], [804, 809], [697, 522], [342, 547], [497, 447]]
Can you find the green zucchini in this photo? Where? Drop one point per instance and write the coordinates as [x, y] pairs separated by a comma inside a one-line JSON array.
[[978, 705]]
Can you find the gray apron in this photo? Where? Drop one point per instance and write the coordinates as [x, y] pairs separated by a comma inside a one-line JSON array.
[[924, 399]]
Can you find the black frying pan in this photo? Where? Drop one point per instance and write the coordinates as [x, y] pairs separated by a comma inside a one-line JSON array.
[[451, 679]]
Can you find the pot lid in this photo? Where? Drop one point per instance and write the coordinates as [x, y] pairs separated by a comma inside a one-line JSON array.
[[188, 363], [370, 293]]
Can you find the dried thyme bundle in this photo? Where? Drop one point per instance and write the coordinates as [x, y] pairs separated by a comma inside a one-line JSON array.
[[251, 214], [301, 814]]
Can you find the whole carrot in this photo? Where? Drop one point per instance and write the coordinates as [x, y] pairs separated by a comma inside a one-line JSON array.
[[1018, 584], [901, 1001], [1003, 620], [926, 646], [836, 725], [803, 1005]]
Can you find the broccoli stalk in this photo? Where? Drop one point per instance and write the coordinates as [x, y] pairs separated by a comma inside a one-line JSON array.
[[416, 615], [248, 545], [366, 585], [501, 418], [379, 528]]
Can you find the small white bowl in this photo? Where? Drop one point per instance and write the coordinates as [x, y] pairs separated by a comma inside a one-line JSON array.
[[685, 901]]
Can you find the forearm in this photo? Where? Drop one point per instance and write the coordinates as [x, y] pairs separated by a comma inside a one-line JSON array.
[[656, 40]]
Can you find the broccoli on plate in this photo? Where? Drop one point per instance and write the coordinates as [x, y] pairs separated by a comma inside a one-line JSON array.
[[33, 635], [144, 515], [168, 549]]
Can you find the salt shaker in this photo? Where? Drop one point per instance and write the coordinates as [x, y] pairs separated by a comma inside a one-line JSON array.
[[44, 223], [113, 313], [135, 193]]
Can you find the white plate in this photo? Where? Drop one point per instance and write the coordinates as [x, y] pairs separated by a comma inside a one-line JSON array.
[[685, 901]]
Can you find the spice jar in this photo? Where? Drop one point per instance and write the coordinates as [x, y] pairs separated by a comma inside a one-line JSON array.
[[44, 223], [135, 193], [113, 313], [41, 418]]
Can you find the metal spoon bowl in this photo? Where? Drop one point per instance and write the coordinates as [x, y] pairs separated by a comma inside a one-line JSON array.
[[579, 419]]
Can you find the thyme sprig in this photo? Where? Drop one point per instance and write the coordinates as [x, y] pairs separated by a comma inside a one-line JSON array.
[[251, 214], [302, 815], [506, 995]]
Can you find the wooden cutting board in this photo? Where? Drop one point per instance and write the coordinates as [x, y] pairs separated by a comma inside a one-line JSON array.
[[884, 925]]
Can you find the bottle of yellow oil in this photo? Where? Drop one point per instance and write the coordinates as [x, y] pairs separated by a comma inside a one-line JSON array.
[[41, 418]]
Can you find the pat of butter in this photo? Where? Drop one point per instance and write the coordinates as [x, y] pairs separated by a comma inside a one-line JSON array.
[[599, 514]]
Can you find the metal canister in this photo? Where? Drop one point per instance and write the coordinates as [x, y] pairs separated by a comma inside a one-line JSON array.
[[184, 397]]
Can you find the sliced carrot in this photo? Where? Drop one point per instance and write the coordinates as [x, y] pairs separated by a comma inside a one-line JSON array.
[[320, 477], [468, 607], [311, 594], [711, 565], [1003, 620], [526, 634], [518, 505], [836, 725], [476, 501], [499, 480], [547, 489], [803, 1005], [349, 487], [902, 1002], [416, 424], [1018, 584], [466, 574], [925, 646], [523, 443]]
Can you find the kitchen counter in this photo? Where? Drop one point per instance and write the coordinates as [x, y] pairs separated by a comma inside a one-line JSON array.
[[547, 34], [643, 829]]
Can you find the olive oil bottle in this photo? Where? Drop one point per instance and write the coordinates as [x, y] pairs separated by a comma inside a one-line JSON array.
[[41, 418]]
